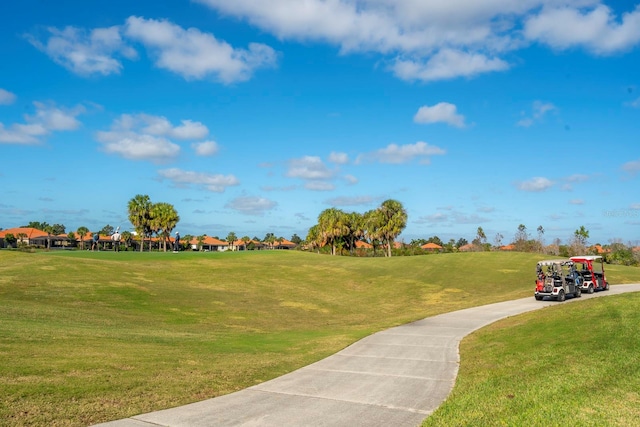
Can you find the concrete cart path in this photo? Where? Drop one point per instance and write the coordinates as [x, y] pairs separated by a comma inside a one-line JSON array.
[[397, 377]]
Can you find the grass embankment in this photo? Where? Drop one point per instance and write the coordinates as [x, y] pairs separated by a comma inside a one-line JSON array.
[[567, 365], [87, 337]]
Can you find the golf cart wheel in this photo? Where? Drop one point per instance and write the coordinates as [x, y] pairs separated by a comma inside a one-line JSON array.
[[538, 298], [561, 296], [606, 286], [590, 290], [577, 293]]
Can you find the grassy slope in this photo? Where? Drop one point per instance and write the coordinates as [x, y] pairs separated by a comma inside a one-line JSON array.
[[87, 337], [575, 364]]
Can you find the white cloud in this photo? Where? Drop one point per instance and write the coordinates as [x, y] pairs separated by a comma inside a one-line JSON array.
[[338, 158], [255, 206], [351, 180], [397, 154], [535, 184], [538, 110], [442, 112], [576, 202], [147, 137], [632, 167], [6, 97], [447, 64], [85, 52], [596, 29], [634, 104], [206, 148], [319, 185], [194, 54], [47, 119], [216, 183], [309, 168], [352, 201]]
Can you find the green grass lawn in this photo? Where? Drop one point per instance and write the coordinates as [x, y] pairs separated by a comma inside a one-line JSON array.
[[567, 365], [87, 337]]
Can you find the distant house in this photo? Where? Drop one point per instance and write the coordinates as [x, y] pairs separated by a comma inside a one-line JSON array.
[[209, 244], [284, 244], [363, 245], [469, 247], [508, 248], [34, 237], [24, 235], [431, 247], [598, 249]]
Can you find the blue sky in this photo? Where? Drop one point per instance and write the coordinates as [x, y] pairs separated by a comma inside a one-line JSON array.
[[253, 116]]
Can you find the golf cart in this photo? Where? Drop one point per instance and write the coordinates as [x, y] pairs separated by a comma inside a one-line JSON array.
[[556, 279], [591, 269]]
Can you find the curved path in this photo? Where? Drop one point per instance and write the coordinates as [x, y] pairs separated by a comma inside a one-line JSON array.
[[397, 377]]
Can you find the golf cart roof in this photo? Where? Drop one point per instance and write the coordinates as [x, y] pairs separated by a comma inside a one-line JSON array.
[[555, 262], [586, 258]]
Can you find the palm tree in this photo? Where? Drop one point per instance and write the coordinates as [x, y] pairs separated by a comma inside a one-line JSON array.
[[231, 239], [82, 232], [355, 226], [140, 216], [126, 237], [332, 224], [201, 241], [373, 222], [394, 217], [164, 218], [314, 238]]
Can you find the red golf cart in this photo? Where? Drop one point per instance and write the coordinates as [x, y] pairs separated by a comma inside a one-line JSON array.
[[591, 268]]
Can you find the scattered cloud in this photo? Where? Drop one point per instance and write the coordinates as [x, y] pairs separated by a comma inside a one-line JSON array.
[[85, 52], [351, 180], [539, 110], [398, 154], [535, 184], [6, 97], [447, 64], [634, 104], [576, 202], [47, 119], [206, 148], [442, 112], [352, 201], [147, 137], [338, 158], [309, 168], [595, 29], [632, 167], [254, 206], [194, 54], [217, 183], [319, 185]]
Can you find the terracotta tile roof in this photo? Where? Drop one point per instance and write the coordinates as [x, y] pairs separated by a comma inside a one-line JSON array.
[[431, 245], [31, 233], [363, 245], [507, 247]]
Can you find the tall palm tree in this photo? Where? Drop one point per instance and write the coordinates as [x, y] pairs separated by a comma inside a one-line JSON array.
[[82, 232], [164, 218], [394, 217], [140, 216], [314, 238], [373, 222], [332, 224], [231, 239]]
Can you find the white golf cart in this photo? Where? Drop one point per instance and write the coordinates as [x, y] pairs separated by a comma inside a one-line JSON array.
[[556, 279]]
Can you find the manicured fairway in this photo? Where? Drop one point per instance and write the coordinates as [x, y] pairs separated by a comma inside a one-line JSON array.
[[87, 337]]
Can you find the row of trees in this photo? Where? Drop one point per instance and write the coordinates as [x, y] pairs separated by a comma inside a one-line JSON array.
[[341, 230]]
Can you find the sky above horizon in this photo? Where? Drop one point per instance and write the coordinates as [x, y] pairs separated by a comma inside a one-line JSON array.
[[254, 116]]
